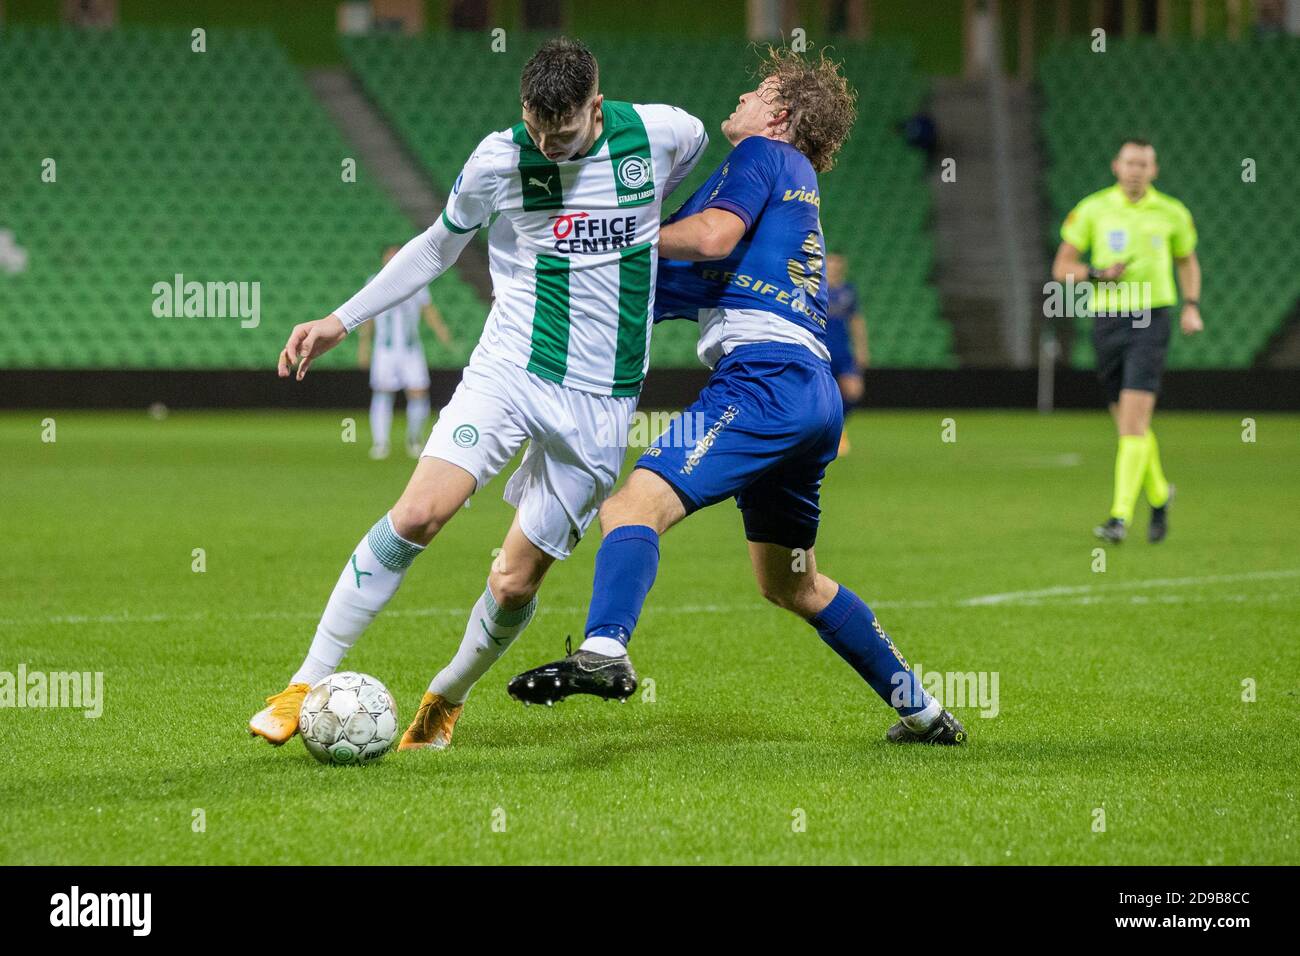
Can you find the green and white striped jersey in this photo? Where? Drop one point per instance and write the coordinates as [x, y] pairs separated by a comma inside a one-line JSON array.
[[573, 246]]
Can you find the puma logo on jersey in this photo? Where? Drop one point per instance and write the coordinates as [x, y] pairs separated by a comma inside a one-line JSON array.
[[534, 181]]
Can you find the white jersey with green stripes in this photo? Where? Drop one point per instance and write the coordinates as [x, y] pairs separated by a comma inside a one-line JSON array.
[[572, 246]]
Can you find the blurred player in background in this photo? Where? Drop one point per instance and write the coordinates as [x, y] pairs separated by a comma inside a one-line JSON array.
[[846, 337], [1135, 238], [571, 198], [391, 349], [744, 258]]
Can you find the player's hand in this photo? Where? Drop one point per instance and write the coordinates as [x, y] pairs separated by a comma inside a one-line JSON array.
[[307, 341], [1190, 320], [363, 361], [1112, 271]]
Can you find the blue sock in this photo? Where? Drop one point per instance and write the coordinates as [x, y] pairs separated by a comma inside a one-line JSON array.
[[626, 565], [853, 632]]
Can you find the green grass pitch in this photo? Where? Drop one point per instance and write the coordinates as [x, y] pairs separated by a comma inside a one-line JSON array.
[[1118, 691]]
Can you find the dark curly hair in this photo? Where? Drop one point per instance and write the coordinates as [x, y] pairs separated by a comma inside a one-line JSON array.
[[822, 105], [557, 79]]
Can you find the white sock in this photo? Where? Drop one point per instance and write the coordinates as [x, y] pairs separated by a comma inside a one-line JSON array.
[[922, 718], [490, 632], [381, 417], [603, 645], [369, 580], [417, 413]]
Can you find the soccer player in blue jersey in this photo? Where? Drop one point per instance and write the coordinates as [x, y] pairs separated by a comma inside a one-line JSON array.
[[744, 257], [846, 337]]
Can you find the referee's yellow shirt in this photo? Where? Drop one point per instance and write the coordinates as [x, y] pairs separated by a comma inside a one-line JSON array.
[[1146, 235]]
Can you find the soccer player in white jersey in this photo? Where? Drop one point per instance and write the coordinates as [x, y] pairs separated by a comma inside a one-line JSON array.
[[390, 347], [571, 199]]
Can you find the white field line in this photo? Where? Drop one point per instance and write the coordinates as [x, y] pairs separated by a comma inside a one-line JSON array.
[[1059, 595]]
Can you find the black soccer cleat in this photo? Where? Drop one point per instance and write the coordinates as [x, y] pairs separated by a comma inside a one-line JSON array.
[[1113, 531], [1158, 529], [946, 729], [581, 672]]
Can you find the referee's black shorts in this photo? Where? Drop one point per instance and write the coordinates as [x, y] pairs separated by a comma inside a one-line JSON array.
[[1131, 351]]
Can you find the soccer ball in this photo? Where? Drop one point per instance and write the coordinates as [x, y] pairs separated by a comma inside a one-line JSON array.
[[348, 718]]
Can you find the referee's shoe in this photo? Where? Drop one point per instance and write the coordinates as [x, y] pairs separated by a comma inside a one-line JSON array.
[[1158, 529], [1114, 531]]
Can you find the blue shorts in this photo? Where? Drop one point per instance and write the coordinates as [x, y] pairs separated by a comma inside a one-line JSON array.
[[763, 431]]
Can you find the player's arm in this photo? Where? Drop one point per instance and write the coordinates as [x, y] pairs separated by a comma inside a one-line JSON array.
[[713, 232], [367, 335], [433, 319], [1189, 284], [709, 234], [691, 141], [858, 329], [417, 264]]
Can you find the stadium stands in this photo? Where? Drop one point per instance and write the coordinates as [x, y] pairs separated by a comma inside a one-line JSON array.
[[218, 166], [1207, 107], [875, 207]]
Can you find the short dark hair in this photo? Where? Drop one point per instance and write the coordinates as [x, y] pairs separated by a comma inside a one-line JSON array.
[[1135, 141], [557, 79]]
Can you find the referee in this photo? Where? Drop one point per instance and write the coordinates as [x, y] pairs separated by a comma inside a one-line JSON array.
[[1135, 238]]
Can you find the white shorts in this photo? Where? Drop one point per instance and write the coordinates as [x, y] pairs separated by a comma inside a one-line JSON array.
[[576, 444], [392, 370]]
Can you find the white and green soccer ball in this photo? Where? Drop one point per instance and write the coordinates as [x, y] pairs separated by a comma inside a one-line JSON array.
[[348, 718]]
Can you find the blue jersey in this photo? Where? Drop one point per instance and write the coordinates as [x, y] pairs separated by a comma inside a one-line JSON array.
[[778, 265]]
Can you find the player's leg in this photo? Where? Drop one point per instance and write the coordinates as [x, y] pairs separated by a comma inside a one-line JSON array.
[[1144, 371], [416, 380], [732, 433], [1159, 492], [381, 422], [851, 391], [626, 565], [631, 524], [1111, 338], [498, 618], [372, 575], [417, 416], [476, 435], [788, 577]]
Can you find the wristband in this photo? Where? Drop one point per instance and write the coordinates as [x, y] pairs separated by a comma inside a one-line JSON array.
[[1195, 302]]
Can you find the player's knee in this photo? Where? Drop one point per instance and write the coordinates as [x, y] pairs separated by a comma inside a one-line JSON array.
[[417, 521], [785, 594], [797, 595], [647, 500], [624, 509], [513, 587]]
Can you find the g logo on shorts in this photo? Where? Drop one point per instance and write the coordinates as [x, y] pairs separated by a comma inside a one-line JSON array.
[[466, 436]]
